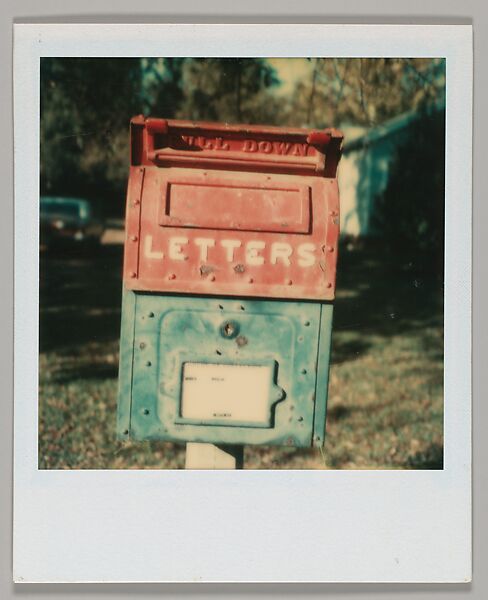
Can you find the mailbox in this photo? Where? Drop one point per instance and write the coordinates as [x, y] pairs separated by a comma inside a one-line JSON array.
[[228, 282]]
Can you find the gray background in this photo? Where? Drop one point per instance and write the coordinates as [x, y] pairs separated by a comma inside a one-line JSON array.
[[380, 11]]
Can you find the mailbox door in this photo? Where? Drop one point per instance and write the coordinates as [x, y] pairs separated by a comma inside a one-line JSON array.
[[230, 233], [223, 370]]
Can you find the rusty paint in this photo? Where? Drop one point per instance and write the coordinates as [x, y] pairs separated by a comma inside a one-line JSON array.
[[251, 200], [241, 340], [206, 270]]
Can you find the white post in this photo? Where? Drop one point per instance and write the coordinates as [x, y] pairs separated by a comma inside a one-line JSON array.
[[209, 456]]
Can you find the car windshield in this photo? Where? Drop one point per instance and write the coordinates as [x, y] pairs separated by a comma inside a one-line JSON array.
[[68, 208]]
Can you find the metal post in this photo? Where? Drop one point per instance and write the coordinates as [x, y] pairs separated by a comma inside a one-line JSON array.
[[209, 456]]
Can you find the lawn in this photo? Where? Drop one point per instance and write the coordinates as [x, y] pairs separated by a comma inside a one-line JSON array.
[[386, 382]]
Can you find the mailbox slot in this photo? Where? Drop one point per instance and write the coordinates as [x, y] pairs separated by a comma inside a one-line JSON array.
[[233, 204]]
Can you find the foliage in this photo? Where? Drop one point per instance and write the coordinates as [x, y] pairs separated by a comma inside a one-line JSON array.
[[214, 89], [365, 91], [86, 105]]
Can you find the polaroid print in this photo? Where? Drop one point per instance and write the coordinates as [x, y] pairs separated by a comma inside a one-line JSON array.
[[245, 268]]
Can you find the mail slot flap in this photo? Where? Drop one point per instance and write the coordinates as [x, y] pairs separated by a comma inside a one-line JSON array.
[[195, 231], [168, 142], [233, 203]]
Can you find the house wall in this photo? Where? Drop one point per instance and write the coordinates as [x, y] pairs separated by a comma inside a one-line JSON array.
[[363, 174]]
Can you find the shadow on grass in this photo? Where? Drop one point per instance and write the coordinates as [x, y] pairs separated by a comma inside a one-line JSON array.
[[80, 297], [338, 412], [85, 372], [430, 458], [381, 295], [344, 351]]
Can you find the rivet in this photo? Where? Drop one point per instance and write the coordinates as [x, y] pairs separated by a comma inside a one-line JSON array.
[[289, 282], [150, 314], [300, 338], [148, 363], [300, 419], [133, 238], [306, 323], [329, 285], [304, 371], [141, 170], [250, 280], [333, 213], [136, 202], [171, 276], [142, 345], [146, 411], [212, 278], [330, 248], [133, 274], [126, 432]]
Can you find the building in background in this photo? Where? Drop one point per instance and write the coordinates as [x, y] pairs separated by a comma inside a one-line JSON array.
[[365, 170]]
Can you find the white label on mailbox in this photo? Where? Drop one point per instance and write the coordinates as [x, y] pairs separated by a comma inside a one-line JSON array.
[[213, 392]]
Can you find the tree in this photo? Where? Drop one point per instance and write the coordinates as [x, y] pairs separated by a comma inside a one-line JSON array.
[[365, 91], [228, 89], [86, 105]]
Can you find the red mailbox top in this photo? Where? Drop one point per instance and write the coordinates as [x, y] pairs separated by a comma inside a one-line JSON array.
[[234, 210]]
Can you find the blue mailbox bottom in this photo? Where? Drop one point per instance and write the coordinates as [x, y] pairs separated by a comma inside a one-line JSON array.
[[223, 370]]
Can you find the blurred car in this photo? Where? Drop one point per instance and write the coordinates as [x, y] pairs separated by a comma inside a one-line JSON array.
[[69, 221]]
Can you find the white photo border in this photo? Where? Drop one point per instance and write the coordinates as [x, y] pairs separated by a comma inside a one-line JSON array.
[[244, 526]]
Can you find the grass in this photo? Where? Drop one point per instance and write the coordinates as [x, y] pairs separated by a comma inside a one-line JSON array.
[[386, 381]]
